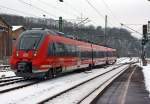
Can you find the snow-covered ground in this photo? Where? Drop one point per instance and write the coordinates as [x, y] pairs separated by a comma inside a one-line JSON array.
[[6, 74], [5, 71], [146, 72], [45, 89], [34, 93]]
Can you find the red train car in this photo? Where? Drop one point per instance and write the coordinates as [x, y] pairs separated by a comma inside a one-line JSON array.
[[45, 53]]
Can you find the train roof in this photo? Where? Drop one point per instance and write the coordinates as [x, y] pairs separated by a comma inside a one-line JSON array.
[[43, 32], [70, 40]]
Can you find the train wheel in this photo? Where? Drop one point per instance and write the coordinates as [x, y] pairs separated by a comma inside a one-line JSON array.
[[107, 62], [50, 73], [57, 71], [91, 66]]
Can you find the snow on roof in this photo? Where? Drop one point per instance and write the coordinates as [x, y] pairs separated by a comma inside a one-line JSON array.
[[16, 27]]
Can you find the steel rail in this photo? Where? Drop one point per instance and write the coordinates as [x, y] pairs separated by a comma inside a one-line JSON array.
[[77, 85], [12, 82], [18, 87], [113, 77], [10, 79]]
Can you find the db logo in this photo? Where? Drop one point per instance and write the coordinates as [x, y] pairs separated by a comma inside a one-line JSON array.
[[25, 55]]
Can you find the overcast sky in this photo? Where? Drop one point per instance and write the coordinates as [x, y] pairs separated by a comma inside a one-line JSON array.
[[118, 11]]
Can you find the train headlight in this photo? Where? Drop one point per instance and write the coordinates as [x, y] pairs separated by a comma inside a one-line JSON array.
[[17, 54], [35, 53]]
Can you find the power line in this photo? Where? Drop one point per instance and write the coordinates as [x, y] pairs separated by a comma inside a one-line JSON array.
[[77, 11], [131, 28], [72, 7], [107, 6], [37, 8], [135, 24], [48, 5], [18, 11], [97, 11]]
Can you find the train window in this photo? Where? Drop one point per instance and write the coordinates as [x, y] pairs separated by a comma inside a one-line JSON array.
[[67, 50], [59, 49], [109, 54], [70, 50], [51, 49], [78, 51], [29, 41], [99, 54]]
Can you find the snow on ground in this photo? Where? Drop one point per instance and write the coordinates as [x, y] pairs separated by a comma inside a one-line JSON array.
[[81, 91], [6, 74], [40, 91], [5, 71], [146, 72]]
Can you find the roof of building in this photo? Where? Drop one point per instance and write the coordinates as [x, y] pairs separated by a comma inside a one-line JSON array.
[[14, 28]]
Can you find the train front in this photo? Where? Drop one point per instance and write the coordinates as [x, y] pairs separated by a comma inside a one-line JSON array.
[[27, 58]]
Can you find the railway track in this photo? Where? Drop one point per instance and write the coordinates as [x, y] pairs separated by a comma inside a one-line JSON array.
[[11, 82], [54, 85], [91, 96], [9, 79], [56, 97], [15, 86]]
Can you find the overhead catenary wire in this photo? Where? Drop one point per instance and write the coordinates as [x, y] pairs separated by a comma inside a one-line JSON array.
[[54, 7], [116, 19], [131, 28], [48, 13], [113, 15], [18, 11], [72, 7], [96, 10]]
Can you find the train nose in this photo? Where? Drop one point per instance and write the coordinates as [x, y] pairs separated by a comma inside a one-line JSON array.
[[25, 67]]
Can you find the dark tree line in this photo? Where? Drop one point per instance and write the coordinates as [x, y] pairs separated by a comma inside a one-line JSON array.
[[118, 38]]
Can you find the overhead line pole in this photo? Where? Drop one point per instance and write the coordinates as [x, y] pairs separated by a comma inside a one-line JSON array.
[[105, 41], [105, 30]]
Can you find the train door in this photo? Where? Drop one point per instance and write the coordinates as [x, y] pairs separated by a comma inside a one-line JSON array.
[[78, 56]]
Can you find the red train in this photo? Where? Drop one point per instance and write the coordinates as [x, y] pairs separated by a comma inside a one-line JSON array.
[[44, 53]]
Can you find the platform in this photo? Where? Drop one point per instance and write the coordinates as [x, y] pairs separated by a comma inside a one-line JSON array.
[[129, 88]]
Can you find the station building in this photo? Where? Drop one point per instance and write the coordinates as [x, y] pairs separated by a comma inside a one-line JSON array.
[[16, 31], [5, 39]]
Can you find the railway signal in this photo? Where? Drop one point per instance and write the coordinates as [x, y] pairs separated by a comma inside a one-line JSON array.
[[144, 41], [60, 24], [144, 31], [148, 27], [145, 37]]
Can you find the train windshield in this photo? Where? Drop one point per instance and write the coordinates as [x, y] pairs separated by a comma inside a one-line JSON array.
[[30, 42]]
